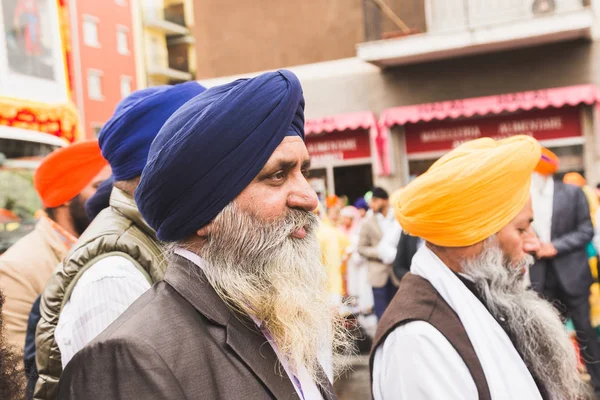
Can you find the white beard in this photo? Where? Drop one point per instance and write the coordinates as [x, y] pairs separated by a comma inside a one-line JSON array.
[[532, 322], [258, 269]]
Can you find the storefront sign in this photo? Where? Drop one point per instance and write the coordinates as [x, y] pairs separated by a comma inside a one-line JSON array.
[[339, 146], [445, 135]]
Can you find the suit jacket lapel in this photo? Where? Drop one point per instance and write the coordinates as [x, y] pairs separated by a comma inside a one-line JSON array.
[[376, 227], [244, 338], [557, 205], [327, 392]]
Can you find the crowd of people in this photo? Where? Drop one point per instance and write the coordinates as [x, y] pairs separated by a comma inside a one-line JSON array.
[[184, 254]]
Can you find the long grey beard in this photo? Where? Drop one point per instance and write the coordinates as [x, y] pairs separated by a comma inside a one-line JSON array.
[[533, 323], [257, 268]]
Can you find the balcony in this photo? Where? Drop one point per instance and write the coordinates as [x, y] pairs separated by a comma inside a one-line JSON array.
[[168, 22], [437, 29], [158, 67]]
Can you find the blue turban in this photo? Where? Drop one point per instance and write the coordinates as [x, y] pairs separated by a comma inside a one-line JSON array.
[[125, 139], [213, 147], [361, 203], [100, 200]]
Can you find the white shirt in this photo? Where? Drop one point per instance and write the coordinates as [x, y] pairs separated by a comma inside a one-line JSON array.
[[307, 390], [417, 362], [386, 222], [542, 197], [100, 296]]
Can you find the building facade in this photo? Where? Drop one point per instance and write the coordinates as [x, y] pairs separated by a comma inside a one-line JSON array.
[[164, 43], [435, 73], [104, 64]]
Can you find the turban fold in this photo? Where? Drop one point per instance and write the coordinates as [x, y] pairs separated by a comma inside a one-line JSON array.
[[471, 193], [125, 139], [574, 178], [548, 163], [213, 147], [67, 171]]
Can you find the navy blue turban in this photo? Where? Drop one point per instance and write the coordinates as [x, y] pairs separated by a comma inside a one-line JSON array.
[[213, 147], [100, 200], [125, 139]]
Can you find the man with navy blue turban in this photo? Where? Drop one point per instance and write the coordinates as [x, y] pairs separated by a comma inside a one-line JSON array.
[[118, 257], [243, 311]]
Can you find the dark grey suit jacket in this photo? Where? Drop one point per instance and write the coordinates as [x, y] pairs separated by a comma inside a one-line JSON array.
[[179, 341], [406, 250], [572, 230]]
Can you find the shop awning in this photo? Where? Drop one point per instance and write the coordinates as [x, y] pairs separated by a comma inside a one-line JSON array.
[[353, 121], [511, 102]]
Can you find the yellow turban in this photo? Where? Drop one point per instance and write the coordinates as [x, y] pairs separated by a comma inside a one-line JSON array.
[[471, 193]]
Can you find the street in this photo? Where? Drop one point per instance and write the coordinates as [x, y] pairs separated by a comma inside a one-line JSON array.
[[354, 384]]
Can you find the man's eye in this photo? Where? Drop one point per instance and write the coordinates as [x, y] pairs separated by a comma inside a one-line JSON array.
[[278, 176], [306, 173]]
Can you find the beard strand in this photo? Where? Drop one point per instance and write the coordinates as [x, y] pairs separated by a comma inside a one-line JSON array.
[[533, 323], [258, 269]]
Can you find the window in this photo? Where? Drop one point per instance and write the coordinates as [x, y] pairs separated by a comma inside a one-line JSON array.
[[125, 86], [94, 81], [90, 31], [122, 40]]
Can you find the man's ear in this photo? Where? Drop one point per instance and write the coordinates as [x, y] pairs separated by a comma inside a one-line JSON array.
[[205, 231]]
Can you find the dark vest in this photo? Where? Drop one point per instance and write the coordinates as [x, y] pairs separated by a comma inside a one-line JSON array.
[[417, 300]]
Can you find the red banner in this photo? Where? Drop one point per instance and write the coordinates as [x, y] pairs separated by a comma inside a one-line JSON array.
[[551, 123], [339, 146]]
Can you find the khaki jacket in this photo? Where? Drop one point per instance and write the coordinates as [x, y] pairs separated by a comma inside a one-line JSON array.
[[117, 230], [370, 236], [24, 270]]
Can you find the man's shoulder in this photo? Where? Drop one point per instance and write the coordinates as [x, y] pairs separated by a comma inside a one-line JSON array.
[[20, 255], [571, 190], [167, 325], [146, 316]]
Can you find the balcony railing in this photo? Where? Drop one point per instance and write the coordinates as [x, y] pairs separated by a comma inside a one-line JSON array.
[[175, 13], [166, 21], [457, 15]]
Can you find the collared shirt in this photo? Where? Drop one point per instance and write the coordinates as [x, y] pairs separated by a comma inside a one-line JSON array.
[[99, 297], [386, 222], [542, 196], [304, 385]]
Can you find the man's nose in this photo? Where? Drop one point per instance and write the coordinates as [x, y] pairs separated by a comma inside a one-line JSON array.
[[303, 196], [531, 243]]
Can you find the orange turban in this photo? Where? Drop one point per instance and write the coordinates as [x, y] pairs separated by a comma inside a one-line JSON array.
[[67, 171], [574, 178], [331, 200], [471, 193], [548, 164]]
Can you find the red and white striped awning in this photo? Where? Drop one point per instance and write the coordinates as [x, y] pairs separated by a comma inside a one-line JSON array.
[[537, 99]]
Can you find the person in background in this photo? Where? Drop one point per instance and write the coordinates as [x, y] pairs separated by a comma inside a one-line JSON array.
[[464, 326], [118, 258], [333, 243], [98, 202], [381, 276], [561, 273], [243, 311], [388, 245], [65, 179], [576, 179], [406, 250], [362, 207]]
